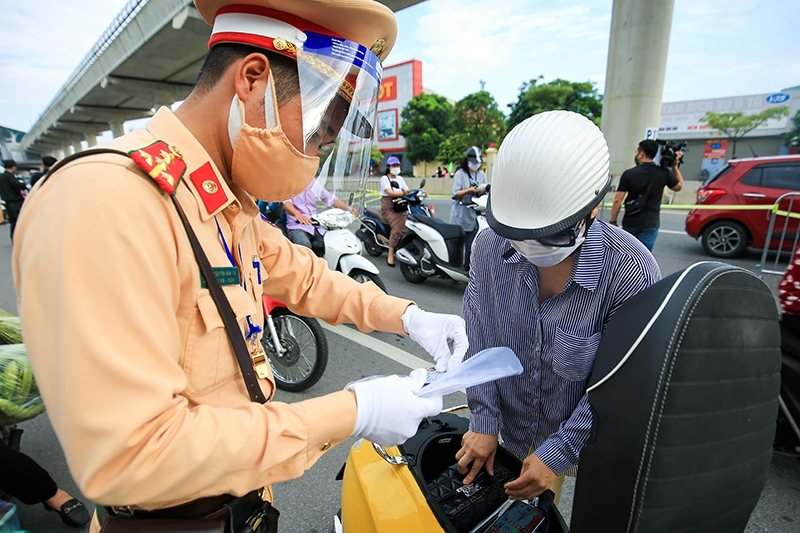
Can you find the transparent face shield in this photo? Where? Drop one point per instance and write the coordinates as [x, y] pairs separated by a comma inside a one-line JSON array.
[[339, 84]]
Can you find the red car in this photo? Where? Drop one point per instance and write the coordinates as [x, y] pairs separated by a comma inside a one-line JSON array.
[[755, 181]]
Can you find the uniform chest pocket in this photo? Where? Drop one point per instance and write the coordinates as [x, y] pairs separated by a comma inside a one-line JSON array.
[[573, 355], [209, 361]]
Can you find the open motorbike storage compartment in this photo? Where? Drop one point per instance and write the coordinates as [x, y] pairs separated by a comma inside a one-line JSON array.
[[683, 429], [431, 454]]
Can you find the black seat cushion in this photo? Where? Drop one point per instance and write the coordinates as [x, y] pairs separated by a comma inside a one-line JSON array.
[[448, 231], [682, 432]]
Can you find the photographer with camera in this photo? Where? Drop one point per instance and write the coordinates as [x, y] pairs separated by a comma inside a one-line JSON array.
[[644, 186]]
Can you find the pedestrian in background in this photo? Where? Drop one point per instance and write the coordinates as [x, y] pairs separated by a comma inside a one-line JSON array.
[[642, 188], [22, 478], [466, 183], [393, 186], [47, 162], [12, 192]]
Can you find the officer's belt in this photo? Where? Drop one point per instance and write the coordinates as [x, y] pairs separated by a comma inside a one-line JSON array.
[[193, 510]]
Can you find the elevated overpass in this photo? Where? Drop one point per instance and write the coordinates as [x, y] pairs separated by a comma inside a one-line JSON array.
[[149, 56]]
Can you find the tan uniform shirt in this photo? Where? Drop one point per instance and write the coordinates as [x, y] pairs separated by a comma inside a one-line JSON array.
[[130, 354]]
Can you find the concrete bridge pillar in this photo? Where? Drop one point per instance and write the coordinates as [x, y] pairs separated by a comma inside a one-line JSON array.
[[116, 129], [637, 61], [91, 140]]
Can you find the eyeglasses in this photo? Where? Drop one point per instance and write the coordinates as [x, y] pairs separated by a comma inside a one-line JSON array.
[[563, 238]]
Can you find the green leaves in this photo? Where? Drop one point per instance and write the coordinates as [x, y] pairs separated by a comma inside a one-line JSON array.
[[558, 94], [427, 121], [736, 125]]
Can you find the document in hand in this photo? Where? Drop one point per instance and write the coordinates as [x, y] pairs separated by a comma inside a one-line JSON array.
[[488, 365]]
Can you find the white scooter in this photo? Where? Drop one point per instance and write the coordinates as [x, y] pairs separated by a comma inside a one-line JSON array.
[[343, 248], [431, 247]]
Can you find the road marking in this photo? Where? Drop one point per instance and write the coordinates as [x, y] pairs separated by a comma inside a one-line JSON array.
[[387, 350]]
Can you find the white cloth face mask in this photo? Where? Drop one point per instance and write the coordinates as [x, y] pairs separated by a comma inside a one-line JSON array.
[[545, 256], [394, 171], [473, 166]]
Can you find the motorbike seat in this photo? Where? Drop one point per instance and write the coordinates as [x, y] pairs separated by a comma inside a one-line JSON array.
[[375, 212], [684, 393], [448, 231]]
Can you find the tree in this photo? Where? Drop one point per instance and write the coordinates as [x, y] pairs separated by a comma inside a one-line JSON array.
[[558, 94], [736, 125], [375, 154], [477, 116], [427, 121], [792, 137], [452, 149]]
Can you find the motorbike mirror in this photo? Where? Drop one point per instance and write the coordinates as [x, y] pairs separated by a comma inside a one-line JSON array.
[[422, 183], [350, 199]]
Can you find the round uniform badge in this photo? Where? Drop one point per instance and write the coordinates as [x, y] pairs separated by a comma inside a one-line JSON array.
[[209, 186]]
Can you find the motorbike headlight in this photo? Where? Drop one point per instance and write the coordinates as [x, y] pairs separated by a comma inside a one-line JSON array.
[[422, 195]]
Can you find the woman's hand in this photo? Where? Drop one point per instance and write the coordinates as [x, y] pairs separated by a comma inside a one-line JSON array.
[[534, 479], [478, 449]]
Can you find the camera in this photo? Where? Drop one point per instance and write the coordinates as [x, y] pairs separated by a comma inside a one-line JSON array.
[[667, 150]]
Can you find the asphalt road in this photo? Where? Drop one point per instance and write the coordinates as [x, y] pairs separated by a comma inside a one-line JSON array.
[[308, 504]]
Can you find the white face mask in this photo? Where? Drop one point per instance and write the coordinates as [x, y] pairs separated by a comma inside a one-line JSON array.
[[473, 166], [545, 256], [394, 171]]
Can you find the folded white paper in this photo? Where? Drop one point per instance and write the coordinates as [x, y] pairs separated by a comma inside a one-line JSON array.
[[488, 365]]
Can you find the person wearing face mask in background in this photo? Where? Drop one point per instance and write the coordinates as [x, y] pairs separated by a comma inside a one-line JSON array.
[[467, 184], [393, 186], [131, 354], [547, 277]]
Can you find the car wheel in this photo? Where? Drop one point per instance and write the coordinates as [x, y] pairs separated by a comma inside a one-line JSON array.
[[725, 239]]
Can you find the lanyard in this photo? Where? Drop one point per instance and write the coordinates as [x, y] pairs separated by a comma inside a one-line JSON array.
[[252, 329]]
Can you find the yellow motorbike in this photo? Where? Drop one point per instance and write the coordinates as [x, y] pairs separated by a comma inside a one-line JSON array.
[[416, 487], [684, 396]]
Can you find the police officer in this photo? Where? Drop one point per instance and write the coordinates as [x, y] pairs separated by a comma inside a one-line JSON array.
[[130, 353]]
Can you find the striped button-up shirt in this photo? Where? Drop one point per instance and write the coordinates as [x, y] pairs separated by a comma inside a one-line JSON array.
[[546, 408]]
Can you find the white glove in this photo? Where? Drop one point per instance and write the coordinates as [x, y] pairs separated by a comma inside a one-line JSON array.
[[389, 412], [442, 336]]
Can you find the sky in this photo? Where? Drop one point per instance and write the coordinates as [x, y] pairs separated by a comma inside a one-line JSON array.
[[716, 49]]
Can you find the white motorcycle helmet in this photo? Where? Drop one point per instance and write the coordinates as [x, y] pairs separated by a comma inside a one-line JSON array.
[[551, 171]]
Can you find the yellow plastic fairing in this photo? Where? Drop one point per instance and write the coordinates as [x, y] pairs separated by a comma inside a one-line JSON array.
[[378, 497]]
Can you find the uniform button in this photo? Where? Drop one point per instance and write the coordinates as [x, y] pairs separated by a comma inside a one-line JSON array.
[[326, 447], [234, 208]]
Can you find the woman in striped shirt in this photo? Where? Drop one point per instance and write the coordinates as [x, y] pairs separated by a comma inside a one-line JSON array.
[[544, 282]]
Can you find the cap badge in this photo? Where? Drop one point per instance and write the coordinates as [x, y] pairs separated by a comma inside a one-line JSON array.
[[378, 47], [282, 44], [162, 162]]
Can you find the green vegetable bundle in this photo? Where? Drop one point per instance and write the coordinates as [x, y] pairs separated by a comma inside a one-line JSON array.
[[19, 397], [10, 330]]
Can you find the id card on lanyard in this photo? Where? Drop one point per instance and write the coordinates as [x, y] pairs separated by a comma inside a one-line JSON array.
[[251, 335]]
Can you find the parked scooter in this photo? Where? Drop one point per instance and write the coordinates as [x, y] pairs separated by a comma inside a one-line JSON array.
[[431, 247], [343, 249], [375, 230], [296, 346]]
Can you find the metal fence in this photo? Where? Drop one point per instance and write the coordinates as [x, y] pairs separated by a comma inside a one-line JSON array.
[[780, 222]]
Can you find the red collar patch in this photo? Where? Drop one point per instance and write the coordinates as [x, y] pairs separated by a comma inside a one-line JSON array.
[[162, 162], [208, 187]]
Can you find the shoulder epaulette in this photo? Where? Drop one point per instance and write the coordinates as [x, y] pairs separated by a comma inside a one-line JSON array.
[[162, 162]]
